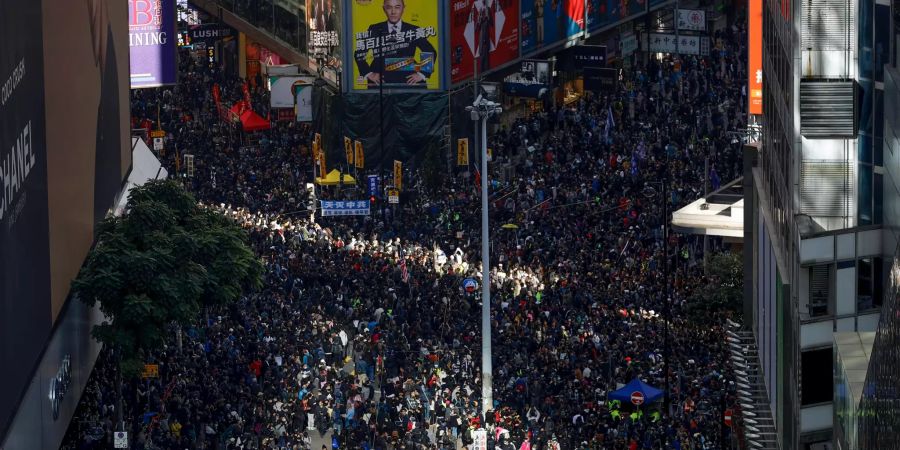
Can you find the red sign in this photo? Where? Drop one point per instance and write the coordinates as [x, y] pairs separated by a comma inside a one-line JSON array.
[[477, 26], [754, 56], [728, 418], [637, 398]]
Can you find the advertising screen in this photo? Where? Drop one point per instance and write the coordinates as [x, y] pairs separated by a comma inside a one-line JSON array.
[[152, 40], [395, 42], [486, 31], [603, 13], [323, 18], [25, 315]]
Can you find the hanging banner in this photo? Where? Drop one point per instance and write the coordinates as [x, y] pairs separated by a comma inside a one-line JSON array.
[[462, 152], [482, 31], [323, 18], [322, 171], [303, 97], [152, 42], [670, 43], [283, 88], [395, 41], [344, 208], [398, 175], [543, 23], [692, 19], [373, 185], [348, 149], [754, 56], [360, 156]]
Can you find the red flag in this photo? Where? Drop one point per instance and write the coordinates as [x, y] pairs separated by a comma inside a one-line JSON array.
[[246, 93], [404, 273], [477, 178]]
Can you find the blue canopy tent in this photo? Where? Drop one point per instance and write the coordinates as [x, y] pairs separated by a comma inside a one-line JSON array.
[[650, 394]]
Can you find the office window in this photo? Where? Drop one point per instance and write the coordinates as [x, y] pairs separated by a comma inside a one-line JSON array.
[[869, 283], [814, 387], [819, 290]]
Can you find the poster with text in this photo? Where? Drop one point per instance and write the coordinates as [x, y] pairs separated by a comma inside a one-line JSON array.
[[604, 13], [395, 44], [486, 31], [152, 41], [543, 23], [323, 19]]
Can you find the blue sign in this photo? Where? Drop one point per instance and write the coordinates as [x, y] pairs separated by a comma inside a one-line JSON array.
[[345, 208], [469, 284], [373, 185]]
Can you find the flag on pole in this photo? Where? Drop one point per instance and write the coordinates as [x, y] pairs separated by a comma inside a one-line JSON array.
[[404, 272]]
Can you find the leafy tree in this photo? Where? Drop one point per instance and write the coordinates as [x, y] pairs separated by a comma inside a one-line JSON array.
[[160, 263], [723, 289]]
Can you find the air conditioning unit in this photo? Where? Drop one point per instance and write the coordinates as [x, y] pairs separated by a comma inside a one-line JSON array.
[[828, 109]]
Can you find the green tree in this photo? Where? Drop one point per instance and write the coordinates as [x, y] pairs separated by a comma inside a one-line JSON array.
[[723, 289], [160, 263]]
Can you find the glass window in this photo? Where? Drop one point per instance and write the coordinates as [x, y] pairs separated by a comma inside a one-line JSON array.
[[882, 43], [864, 284], [865, 195], [866, 12], [287, 26], [878, 203], [865, 106], [814, 387], [878, 126]]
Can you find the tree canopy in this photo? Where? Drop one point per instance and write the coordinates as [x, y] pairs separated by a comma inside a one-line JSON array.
[[723, 290], [161, 262]]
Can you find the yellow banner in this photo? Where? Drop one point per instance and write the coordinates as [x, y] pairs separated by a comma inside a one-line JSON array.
[[360, 156], [398, 175], [322, 171], [348, 149], [395, 41], [462, 152], [150, 371]]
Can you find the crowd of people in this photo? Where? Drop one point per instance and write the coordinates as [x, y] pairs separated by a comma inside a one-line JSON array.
[[364, 330]]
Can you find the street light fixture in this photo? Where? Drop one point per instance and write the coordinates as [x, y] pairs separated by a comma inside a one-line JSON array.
[[651, 192], [483, 109]]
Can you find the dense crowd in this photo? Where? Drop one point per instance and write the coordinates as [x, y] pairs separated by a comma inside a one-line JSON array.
[[364, 330]]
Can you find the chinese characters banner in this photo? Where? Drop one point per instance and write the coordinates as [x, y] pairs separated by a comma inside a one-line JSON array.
[[323, 18], [395, 42], [486, 31], [754, 83]]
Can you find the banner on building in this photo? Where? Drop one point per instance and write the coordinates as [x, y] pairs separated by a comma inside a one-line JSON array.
[[283, 90], [348, 149], [604, 13], [754, 55], [548, 22], [398, 175], [360, 156], [344, 208], [581, 56], [692, 19], [532, 80], [303, 107], [152, 42], [396, 43], [482, 31], [462, 152], [670, 43], [323, 19]]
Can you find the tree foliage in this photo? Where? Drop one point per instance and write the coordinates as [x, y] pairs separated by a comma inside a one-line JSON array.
[[161, 262], [723, 290]]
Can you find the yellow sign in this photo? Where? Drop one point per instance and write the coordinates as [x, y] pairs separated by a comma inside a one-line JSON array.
[[348, 149], [322, 171], [462, 152], [398, 175], [157, 134], [150, 371], [395, 42], [393, 196], [360, 156], [318, 139]]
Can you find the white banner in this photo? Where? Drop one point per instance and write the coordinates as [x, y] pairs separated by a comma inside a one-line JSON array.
[[303, 108], [692, 19], [480, 438], [283, 89], [684, 45], [628, 43]]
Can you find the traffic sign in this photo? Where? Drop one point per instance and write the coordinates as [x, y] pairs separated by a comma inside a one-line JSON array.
[[121, 439], [470, 285], [637, 398], [393, 196], [728, 420]]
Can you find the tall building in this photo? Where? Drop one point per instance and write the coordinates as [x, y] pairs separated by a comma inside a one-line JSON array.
[[814, 200]]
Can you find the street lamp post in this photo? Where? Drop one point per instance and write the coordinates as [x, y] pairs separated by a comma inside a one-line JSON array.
[[482, 110], [667, 311]]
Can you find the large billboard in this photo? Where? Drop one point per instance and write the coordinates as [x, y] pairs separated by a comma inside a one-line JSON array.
[[323, 19], [395, 44], [603, 13], [152, 40], [754, 56], [548, 22], [24, 248], [486, 31]]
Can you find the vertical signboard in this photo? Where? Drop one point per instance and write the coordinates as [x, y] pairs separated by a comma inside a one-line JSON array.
[[395, 42], [323, 19], [603, 13], [152, 40], [398, 175], [25, 315], [543, 23], [754, 56], [486, 31]]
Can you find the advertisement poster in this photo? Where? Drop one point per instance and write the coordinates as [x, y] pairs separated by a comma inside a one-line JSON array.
[[323, 19], [152, 41], [543, 23], [692, 19], [754, 66], [303, 99], [574, 18], [532, 80], [604, 13], [396, 43], [486, 31], [283, 90]]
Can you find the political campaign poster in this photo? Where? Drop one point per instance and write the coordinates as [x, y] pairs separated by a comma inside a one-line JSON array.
[[323, 19], [483, 32], [604, 13], [543, 23], [395, 44], [152, 41]]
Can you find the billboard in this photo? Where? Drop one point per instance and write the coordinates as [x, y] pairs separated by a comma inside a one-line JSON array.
[[283, 90], [486, 31], [303, 95], [395, 44], [323, 19], [692, 19], [543, 23], [670, 43], [604, 13], [25, 316], [532, 80], [581, 56], [754, 56], [574, 18], [152, 41]]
